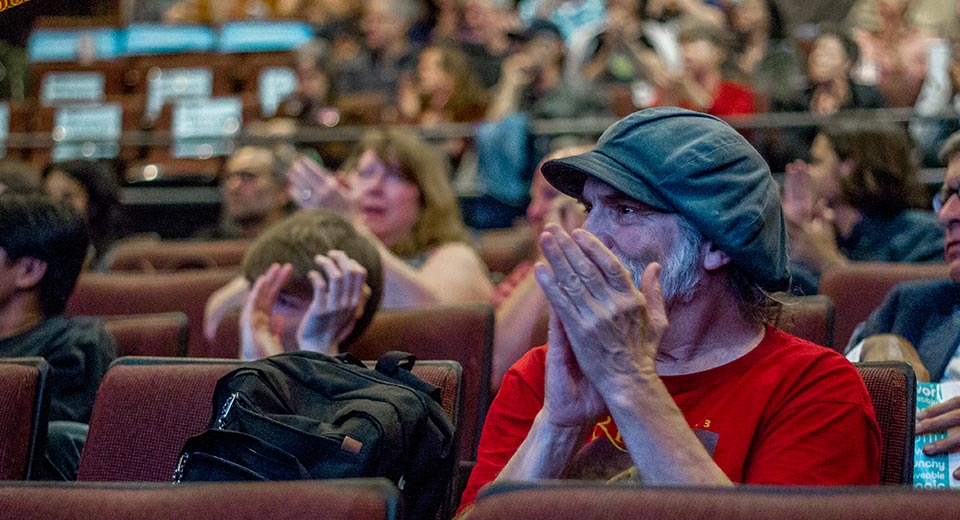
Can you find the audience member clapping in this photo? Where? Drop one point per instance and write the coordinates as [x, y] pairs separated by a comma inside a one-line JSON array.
[[856, 201], [917, 321], [621, 50], [316, 284], [521, 307], [532, 80], [893, 52], [830, 86], [396, 188], [709, 82]]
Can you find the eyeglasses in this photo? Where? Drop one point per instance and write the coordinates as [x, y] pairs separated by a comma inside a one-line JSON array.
[[941, 198]]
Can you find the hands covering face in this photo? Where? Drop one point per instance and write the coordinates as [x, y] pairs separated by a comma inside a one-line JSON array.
[[337, 303], [602, 327]]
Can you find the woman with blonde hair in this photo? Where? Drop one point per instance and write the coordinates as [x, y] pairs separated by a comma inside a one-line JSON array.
[[395, 187]]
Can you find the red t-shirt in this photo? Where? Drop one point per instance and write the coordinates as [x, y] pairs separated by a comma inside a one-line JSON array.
[[788, 412]]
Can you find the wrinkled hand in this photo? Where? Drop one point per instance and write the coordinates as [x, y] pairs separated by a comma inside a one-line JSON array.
[[313, 186], [337, 303], [613, 328], [570, 400], [259, 331], [943, 417]]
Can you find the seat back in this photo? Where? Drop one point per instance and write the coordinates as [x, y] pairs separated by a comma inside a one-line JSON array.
[[24, 400], [156, 334], [463, 333], [147, 407], [347, 499], [581, 500], [893, 390], [860, 287], [145, 410], [808, 317], [152, 256], [105, 294]]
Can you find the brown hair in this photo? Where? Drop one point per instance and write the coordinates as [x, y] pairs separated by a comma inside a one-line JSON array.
[[297, 239], [468, 102], [884, 179], [439, 221]]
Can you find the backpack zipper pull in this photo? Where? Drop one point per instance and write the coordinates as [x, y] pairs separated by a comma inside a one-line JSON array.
[[178, 473], [222, 418]]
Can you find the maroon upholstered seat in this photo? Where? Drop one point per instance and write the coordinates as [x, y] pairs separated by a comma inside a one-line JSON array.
[[147, 407], [347, 499], [152, 256], [579, 500], [808, 317], [892, 388], [158, 334], [105, 294], [859, 288], [23, 428], [144, 411], [463, 333]]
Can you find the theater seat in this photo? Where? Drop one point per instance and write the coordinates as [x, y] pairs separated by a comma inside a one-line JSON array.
[[580, 500], [24, 399], [106, 294], [347, 499], [892, 387], [147, 407], [158, 334], [462, 333], [166, 255], [859, 288], [808, 317]]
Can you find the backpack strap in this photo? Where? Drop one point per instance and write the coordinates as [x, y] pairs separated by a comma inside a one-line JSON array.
[[398, 365]]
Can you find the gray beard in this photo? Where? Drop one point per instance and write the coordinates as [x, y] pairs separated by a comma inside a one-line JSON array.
[[680, 271]]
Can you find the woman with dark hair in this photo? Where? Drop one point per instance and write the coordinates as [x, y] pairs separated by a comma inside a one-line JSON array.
[[857, 200], [92, 188], [443, 90]]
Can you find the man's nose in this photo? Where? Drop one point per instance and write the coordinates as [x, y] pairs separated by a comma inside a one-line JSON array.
[[595, 225], [950, 212]]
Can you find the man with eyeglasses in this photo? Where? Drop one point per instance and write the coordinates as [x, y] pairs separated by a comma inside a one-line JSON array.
[[919, 322], [255, 193]]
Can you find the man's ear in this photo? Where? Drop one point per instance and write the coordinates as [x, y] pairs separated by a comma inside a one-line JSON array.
[[29, 272], [713, 258]]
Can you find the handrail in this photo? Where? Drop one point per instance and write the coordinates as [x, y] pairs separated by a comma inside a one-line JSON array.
[[586, 126]]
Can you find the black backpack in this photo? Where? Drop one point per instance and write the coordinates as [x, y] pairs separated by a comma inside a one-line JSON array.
[[304, 415]]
